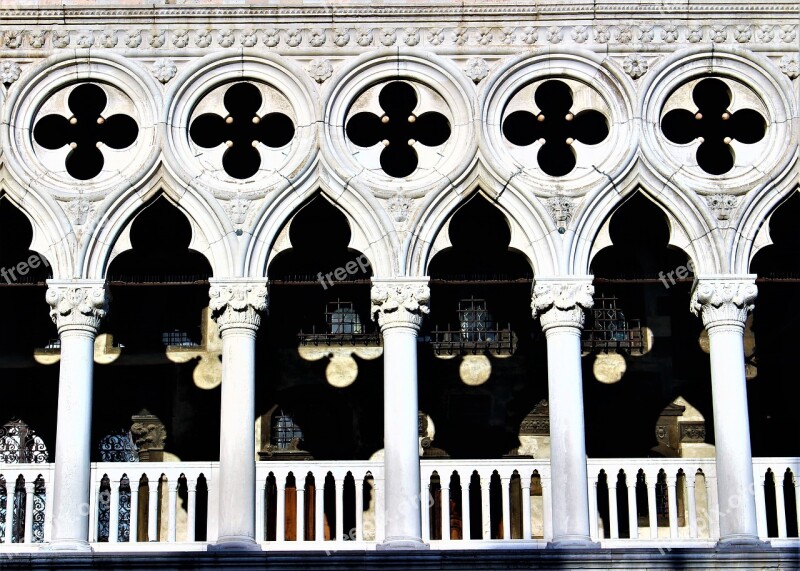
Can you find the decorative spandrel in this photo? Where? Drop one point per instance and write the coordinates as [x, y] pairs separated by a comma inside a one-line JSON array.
[[85, 131], [399, 129], [556, 127], [714, 126], [242, 130], [19, 444]]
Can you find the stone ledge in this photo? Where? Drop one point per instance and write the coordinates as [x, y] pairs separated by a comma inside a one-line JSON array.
[[784, 558]]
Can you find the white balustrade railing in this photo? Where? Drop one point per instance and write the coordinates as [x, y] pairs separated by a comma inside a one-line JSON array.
[[25, 519], [146, 502], [776, 481], [339, 505], [333, 505], [483, 500], [653, 500]]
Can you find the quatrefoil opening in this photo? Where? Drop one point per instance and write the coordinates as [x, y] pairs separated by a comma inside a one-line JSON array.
[[242, 130], [398, 129], [85, 131], [714, 126], [556, 128]]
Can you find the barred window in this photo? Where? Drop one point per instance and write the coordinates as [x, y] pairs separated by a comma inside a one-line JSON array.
[[475, 320], [342, 319], [284, 430]]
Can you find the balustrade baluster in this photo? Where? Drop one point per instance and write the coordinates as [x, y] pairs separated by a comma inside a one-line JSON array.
[[613, 516], [113, 510], [191, 508]]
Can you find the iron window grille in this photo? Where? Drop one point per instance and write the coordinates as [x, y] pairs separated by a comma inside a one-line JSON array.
[[19, 444], [609, 330], [285, 431], [343, 326], [477, 332], [177, 338]]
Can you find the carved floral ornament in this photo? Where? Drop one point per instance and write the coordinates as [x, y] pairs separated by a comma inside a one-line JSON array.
[[400, 303], [560, 303], [77, 306], [238, 304], [723, 301], [748, 32]]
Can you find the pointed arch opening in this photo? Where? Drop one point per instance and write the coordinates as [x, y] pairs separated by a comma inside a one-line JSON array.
[[482, 365], [159, 342], [29, 346], [320, 348], [770, 366], [645, 354]]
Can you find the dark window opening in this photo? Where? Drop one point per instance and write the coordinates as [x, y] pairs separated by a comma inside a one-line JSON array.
[[398, 129], [241, 130], [84, 130], [555, 127], [713, 125]]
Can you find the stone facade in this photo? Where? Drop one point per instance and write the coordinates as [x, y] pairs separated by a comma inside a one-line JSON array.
[[398, 114]]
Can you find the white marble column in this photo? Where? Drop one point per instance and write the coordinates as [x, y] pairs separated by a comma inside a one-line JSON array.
[[77, 307], [559, 303], [236, 305], [723, 302], [399, 306]]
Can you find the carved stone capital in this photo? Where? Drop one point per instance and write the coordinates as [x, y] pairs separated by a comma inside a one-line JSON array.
[[723, 300], [238, 303], [400, 303], [77, 304], [560, 302]]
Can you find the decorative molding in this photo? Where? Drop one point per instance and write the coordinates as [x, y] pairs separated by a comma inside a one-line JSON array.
[[237, 209], [537, 421], [476, 69], [561, 302], [77, 304], [560, 208], [692, 431], [656, 35], [150, 436], [790, 65], [79, 210], [320, 69], [9, 72], [723, 205], [237, 303], [164, 69], [635, 65], [723, 300], [400, 303], [399, 207]]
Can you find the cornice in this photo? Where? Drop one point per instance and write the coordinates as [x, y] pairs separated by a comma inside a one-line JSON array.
[[45, 13]]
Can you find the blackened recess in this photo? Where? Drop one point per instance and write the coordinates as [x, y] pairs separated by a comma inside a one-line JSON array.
[[398, 129], [556, 127], [714, 126], [84, 130], [241, 129]]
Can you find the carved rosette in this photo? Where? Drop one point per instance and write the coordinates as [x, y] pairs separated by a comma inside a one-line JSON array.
[[724, 300], [77, 305], [561, 303], [238, 304], [400, 303]]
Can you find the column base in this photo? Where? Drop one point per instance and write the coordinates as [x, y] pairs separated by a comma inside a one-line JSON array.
[[76, 545], [573, 542], [235, 543], [391, 543], [733, 542]]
